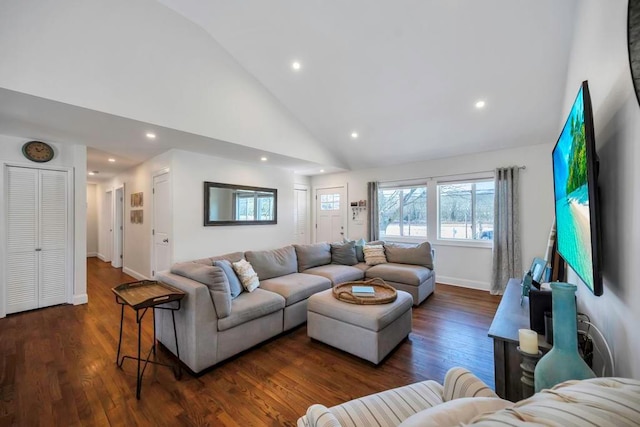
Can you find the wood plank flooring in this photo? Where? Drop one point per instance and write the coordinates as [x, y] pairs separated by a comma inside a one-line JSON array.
[[57, 366]]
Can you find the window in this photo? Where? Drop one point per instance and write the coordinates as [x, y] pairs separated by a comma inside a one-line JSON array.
[[402, 212], [330, 202], [466, 210]]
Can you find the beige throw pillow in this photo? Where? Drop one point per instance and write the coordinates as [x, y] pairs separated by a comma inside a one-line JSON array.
[[374, 254], [246, 274]]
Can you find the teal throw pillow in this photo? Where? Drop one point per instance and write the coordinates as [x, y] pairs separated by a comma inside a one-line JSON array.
[[234, 283]]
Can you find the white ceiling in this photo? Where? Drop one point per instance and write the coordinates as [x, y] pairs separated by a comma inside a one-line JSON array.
[[404, 74]]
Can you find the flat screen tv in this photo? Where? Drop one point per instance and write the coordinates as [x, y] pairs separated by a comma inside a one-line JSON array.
[[575, 181]]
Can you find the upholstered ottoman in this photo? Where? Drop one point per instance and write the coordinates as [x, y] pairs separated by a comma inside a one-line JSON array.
[[367, 331]]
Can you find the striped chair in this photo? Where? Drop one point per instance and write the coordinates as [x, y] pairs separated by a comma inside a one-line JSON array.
[[391, 407], [609, 402]]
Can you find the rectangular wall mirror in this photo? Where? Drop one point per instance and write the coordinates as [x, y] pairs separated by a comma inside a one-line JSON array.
[[227, 204]]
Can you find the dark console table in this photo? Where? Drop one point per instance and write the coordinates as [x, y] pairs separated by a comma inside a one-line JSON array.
[[510, 317]]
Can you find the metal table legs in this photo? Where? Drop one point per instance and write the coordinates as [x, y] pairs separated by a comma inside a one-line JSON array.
[[177, 370]]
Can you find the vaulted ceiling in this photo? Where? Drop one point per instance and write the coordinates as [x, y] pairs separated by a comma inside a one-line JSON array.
[[404, 75]]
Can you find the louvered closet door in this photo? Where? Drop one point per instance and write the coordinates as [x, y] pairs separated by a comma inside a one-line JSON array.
[[53, 238], [22, 222], [37, 238]]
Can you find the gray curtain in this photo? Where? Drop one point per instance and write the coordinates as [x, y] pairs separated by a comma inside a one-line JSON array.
[[373, 232], [507, 262]]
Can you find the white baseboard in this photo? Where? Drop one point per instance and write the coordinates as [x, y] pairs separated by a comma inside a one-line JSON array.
[[472, 284], [92, 254], [80, 299], [102, 257], [134, 274]]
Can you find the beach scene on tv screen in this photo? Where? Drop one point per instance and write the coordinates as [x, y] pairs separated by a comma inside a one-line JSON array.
[[572, 194]]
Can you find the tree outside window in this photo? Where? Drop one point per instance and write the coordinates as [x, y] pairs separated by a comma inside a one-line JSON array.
[[402, 212], [466, 210]]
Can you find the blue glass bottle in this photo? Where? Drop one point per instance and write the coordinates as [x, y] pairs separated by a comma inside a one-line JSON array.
[[563, 362]]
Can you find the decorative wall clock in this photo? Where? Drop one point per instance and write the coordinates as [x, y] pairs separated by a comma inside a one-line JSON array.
[[38, 151]]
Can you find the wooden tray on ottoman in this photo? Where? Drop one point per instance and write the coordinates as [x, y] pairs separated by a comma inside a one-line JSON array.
[[384, 293]]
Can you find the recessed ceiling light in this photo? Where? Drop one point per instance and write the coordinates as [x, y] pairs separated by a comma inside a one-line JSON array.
[[296, 65], [263, 159], [151, 135], [354, 135], [111, 159], [480, 104], [321, 170], [93, 173]]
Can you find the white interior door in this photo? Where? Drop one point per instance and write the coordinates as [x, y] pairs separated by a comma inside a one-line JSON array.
[[38, 236], [118, 228], [22, 234], [108, 226], [331, 208], [301, 215], [161, 223], [53, 238]]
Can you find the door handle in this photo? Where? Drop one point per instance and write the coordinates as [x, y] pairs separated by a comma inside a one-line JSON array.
[[38, 249], [165, 241]]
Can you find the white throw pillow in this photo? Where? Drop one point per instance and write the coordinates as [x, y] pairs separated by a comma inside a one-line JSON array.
[[455, 412], [246, 274], [374, 254]]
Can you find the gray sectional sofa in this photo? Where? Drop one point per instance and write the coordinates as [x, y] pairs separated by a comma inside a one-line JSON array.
[[217, 321]]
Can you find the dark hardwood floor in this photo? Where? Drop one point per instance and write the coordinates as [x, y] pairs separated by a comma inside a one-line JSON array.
[[57, 365]]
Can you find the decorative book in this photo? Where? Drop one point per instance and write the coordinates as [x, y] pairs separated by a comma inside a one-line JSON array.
[[363, 291]]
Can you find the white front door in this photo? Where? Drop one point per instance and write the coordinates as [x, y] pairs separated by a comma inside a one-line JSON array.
[[161, 223], [331, 208]]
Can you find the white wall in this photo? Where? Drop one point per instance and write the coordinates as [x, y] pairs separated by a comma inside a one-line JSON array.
[[137, 237], [66, 156], [157, 67], [92, 220], [463, 265], [193, 240], [599, 54]]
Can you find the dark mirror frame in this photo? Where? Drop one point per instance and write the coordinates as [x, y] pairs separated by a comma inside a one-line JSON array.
[[633, 43], [209, 185]]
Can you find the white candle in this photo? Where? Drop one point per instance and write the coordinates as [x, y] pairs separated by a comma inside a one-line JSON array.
[[528, 341]]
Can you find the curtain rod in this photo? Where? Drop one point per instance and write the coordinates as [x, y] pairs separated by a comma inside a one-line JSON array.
[[444, 176]]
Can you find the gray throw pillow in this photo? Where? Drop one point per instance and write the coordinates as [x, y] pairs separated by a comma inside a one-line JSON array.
[[234, 283], [344, 253]]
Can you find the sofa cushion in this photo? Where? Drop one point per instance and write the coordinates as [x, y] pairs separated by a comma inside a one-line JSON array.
[[456, 412], [409, 254], [337, 273], [249, 306], [344, 253], [401, 273], [374, 254], [273, 263], [359, 247], [234, 283], [246, 274], [362, 266], [596, 401], [231, 257], [296, 287], [312, 255], [214, 278]]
